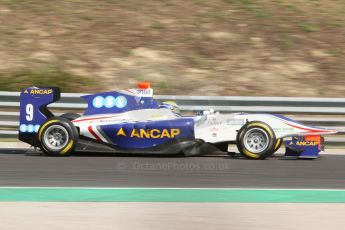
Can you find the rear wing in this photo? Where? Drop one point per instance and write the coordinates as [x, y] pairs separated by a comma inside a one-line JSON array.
[[34, 111]]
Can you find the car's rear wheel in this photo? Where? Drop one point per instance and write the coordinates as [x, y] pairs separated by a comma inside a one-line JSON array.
[[256, 140], [58, 137]]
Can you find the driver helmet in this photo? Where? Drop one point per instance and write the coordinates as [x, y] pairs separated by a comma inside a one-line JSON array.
[[172, 106]]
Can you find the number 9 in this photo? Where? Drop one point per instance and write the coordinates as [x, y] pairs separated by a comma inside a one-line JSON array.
[[29, 112]]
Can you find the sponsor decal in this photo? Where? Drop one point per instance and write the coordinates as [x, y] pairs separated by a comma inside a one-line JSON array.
[[305, 143], [38, 91], [37, 127], [23, 128], [120, 102], [149, 133], [214, 123], [29, 128], [286, 130], [121, 132], [98, 102], [235, 122], [109, 102], [144, 92]]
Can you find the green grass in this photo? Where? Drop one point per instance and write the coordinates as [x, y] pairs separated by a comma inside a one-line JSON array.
[[12, 4], [162, 84], [140, 78], [292, 8], [251, 6], [212, 15], [197, 60], [336, 22], [260, 13], [157, 26], [113, 1], [200, 2], [309, 27], [336, 52], [246, 4], [287, 40], [46, 77]]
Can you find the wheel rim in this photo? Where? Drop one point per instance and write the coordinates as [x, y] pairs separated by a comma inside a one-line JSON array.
[[55, 137], [256, 140]]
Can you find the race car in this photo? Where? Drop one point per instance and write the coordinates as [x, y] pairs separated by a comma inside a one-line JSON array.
[[131, 121]]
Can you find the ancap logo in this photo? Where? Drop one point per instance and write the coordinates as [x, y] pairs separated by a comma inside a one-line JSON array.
[[150, 133], [38, 91], [307, 143]]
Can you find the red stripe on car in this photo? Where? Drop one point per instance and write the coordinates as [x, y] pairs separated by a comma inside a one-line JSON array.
[[310, 130], [93, 133]]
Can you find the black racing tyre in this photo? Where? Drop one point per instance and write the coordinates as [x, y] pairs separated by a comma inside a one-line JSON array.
[[58, 137], [256, 140], [278, 144], [70, 116]]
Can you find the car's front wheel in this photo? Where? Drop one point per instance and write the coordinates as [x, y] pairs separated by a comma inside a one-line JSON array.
[[58, 137], [278, 144], [256, 140]]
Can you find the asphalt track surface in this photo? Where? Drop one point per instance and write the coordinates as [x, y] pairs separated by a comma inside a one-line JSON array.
[[20, 168]]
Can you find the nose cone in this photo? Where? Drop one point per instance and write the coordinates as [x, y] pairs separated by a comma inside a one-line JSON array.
[[330, 131], [312, 130]]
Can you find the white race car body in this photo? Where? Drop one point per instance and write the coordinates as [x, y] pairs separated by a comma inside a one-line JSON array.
[[216, 127], [211, 127], [132, 121]]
